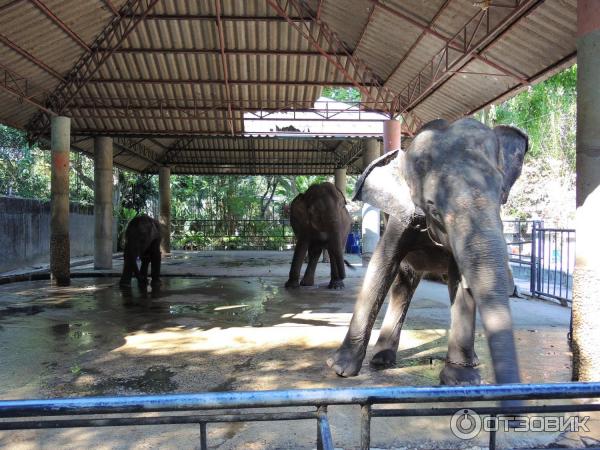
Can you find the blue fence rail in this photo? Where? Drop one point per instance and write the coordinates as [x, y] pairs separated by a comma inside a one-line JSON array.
[[118, 410]]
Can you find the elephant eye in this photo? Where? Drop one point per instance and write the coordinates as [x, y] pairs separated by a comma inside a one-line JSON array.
[[422, 166]]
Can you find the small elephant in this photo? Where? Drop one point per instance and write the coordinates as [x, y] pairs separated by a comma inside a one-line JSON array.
[[320, 221], [443, 195], [142, 239]]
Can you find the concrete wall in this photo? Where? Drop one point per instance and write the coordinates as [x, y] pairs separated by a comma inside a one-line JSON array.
[[25, 232]]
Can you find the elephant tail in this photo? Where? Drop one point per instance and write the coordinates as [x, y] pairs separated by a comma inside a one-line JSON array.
[[350, 266]]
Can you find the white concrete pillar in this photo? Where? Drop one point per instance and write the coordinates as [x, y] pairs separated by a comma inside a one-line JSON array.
[[371, 216], [586, 278], [164, 190], [60, 249], [103, 207], [340, 180]]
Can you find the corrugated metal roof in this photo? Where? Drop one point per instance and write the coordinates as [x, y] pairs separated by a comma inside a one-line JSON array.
[[166, 81]]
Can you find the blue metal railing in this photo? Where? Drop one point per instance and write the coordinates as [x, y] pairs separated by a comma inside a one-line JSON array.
[[38, 411]]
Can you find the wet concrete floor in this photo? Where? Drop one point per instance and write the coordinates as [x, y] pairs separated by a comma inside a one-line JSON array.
[[230, 325]]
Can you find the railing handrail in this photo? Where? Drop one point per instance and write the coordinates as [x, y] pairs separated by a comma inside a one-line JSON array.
[[296, 397]]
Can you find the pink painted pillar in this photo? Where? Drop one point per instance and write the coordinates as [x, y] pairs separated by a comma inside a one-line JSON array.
[[586, 278], [392, 135]]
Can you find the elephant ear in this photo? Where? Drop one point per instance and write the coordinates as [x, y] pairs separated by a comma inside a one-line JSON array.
[[383, 186], [512, 145]]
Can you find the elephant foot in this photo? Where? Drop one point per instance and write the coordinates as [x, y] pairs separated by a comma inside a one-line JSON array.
[[124, 283], [142, 282], [383, 358], [458, 375], [346, 362], [336, 284], [307, 282], [292, 284]]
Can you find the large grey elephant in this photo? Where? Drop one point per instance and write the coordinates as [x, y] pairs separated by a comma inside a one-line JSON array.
[[142, 239], [320, 221], [443, 195]]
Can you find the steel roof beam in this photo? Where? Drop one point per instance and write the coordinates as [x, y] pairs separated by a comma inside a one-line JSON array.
[[448, 40], [136, 149], [441, 67], [21, 88], [28, 56], [181, 134], [224, 65], [253, 149], [322, 83], [353, 69], [88, 65], [229, 52], [112, 7], [59, 23], [364, 30], [204, 17]]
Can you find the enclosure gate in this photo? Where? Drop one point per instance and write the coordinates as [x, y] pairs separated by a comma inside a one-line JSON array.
[[552, 262], [119, 411]]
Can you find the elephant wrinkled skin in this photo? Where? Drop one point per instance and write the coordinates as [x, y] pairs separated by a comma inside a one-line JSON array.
[[320, 221], [142, 239], [443, 195]]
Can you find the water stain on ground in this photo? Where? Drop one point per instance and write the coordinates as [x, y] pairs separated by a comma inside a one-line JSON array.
[[28, 310], [155, 380]]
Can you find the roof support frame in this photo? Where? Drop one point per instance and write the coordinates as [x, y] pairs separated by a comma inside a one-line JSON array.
[[214, 51], [443, 64], [60, 24], [21, 88], [224, 65], [189, 81], [112, 37], [29, 57]]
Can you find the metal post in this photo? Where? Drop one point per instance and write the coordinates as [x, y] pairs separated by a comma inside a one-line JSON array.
[[203, 437], [324, 438], [103, 208], [586, 277], [164, 186], [365, 427], [371, 217], [532, 274], [60, 250]]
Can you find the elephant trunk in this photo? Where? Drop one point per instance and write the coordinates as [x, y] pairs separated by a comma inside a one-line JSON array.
[[482, 259]]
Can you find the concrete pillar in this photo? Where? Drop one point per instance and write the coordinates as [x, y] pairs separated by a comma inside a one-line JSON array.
[[586, 278], [392, 133], [164, 193], [371, 216], [340, 180], [103, 207], [60, 250]]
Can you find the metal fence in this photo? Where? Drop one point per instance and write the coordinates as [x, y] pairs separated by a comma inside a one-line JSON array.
[[231, 234], [544, 256], [308, 404]]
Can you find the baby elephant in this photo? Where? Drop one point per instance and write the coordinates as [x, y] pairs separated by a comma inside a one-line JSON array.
[[320, 221], [142, 239]]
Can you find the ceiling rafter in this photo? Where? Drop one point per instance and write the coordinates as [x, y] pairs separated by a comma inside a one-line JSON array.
[[444, 64], [224, 65], [28, 56], [112, 7], [112, 37], [364, 29], [224, 18], [216, 51], [22, 88], [194, 81], [59, 23]]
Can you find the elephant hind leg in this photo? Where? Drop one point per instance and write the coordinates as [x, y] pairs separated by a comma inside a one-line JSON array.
[[299, 254], [314, 252], [402, 291], [155, 262], [461, 358], [336, 259]]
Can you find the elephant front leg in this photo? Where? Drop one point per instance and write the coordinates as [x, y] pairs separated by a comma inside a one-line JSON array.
[[129, 269], [382, 270], [401, 294], [299, 253], [461, 360], [314, 252], [155, 262]]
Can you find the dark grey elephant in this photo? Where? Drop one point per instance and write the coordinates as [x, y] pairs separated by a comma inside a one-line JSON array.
[[320, 221], [142, 239], [443, 195]]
